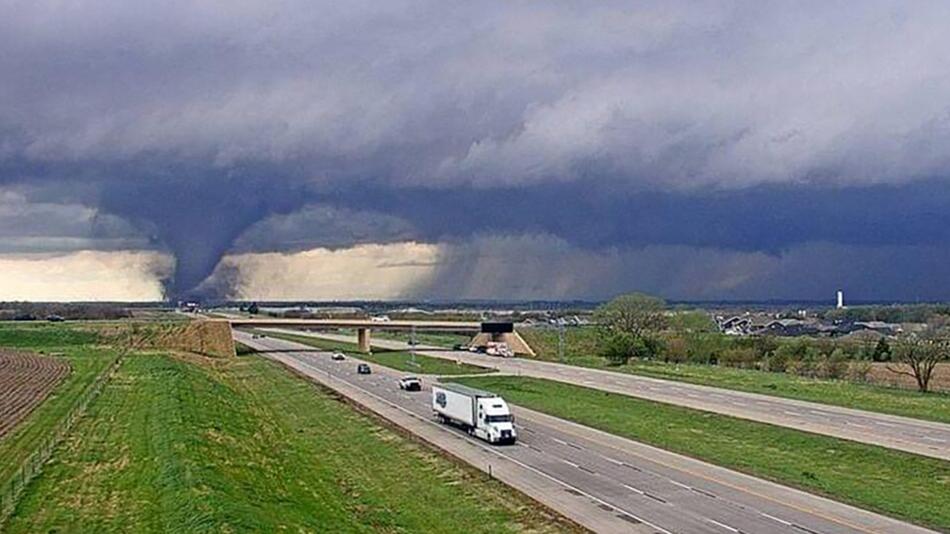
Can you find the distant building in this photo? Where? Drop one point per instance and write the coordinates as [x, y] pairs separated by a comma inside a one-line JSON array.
[[840, 299], [790, 327]]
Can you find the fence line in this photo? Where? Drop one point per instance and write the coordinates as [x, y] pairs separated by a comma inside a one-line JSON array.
[[12, 490]]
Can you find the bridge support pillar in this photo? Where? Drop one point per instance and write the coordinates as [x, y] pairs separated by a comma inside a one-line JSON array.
[[362, 336]]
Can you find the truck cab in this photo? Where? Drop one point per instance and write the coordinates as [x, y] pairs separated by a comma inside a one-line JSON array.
[[495, 423], [481, 413]]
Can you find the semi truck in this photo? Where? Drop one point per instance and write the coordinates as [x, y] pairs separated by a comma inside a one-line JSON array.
[[482, 414]]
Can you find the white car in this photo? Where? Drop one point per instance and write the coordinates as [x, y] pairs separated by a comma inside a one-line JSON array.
[[410, 383]]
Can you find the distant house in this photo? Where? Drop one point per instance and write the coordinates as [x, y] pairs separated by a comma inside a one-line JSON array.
[[739, 325], [789, 327], [887, 329]]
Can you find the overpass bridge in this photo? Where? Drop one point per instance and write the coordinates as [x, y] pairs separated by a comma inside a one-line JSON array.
[[482, 332]]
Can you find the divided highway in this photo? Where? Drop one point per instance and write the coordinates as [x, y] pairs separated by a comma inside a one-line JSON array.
[[604, 482], [902, 433]]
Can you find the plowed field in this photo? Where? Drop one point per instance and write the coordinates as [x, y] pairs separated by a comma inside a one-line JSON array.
[[25, 380]]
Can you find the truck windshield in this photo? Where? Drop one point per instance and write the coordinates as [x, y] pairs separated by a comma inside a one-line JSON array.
[[498, 419]]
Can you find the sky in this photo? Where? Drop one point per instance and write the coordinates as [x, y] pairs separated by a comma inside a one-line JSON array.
[[310, 150]]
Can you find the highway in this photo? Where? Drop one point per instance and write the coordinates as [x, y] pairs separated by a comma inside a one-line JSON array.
[[604, 482], [902, 433]]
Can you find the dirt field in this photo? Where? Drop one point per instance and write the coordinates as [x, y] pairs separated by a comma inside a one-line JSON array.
[[25, 380], [881, 375]]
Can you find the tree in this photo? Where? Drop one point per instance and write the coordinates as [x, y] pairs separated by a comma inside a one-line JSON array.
[[626, 323], [636, 314], [921, 353], [253, 309]]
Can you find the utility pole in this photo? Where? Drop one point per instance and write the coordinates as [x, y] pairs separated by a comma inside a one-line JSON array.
[[412, 345], [560, 339]]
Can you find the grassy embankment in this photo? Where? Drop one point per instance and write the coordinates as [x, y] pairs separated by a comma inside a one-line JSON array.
[[400, 360], [582, 348], [87, 359], [188, 444], [899, 484]]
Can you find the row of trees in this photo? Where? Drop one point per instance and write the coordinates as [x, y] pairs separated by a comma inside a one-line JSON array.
[[635, 326]]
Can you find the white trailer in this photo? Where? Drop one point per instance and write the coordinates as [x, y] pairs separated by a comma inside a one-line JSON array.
[[483, 414]]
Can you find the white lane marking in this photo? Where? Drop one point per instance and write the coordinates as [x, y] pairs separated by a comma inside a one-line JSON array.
[[556, 440], [935, 440], [773, 518], [609, 459], [633, 489], [723, 525], [578, 466], [684, 486], [796, 414], [884, 423]]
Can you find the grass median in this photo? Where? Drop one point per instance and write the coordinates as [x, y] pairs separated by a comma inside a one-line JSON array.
[[395, 359], [902, 485], [189, 444], [582, 348]]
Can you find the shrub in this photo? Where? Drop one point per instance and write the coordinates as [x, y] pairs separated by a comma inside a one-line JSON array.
[[676, 350], [649, 347], [705, 348], [806, 364], [744, 357], [619, 348], [882, 351], [835, 365], [776, 362], [858, 371]]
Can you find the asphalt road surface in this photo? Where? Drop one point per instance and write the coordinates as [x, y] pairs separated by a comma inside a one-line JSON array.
[[651, 489], [902, 433]]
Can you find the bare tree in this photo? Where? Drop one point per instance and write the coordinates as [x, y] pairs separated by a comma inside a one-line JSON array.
[[635, 314], [921, 353]]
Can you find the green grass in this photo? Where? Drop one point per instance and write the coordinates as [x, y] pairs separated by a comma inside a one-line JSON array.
[[435, 339], [194, 445], [86, 362], [582, 349], [899, 484], [400, 360], [44, 335], [241, 349]]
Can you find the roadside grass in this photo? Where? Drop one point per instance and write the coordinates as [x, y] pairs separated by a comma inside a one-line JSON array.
[[581, 349], [240, 349], [85, 359], [189, 444], [399, 360], [903, 485]]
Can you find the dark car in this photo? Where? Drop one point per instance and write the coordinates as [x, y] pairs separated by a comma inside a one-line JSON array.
[[460, 346], [363, 369], [338, 356]]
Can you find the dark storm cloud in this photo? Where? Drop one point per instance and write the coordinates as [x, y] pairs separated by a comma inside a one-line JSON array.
[[751, 126]]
